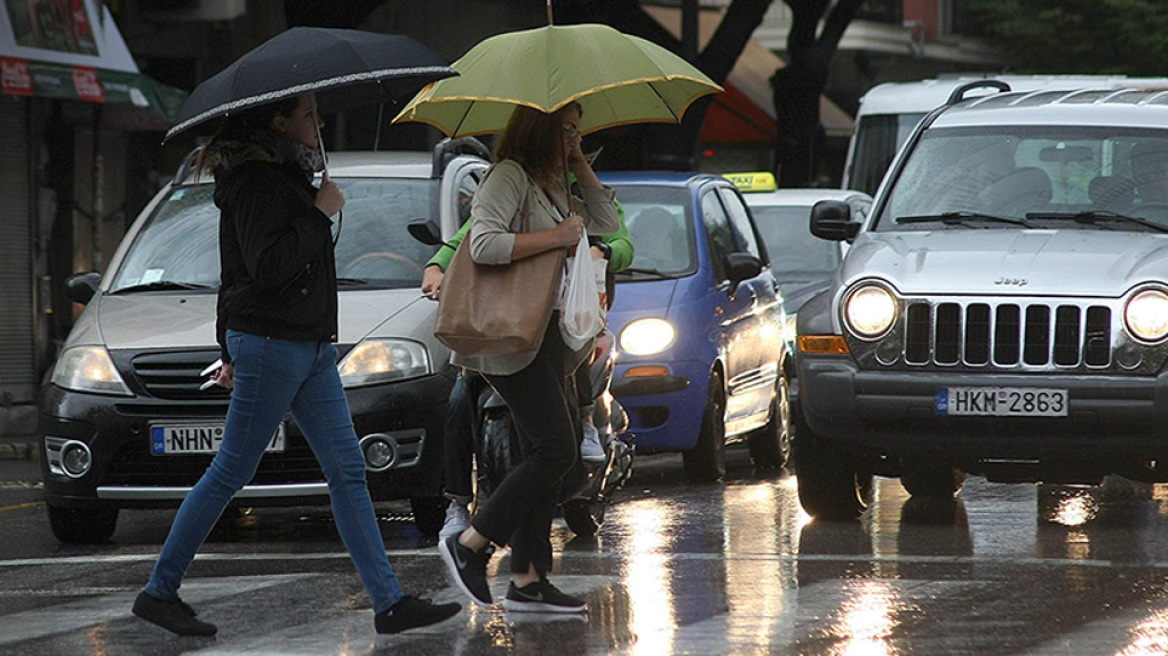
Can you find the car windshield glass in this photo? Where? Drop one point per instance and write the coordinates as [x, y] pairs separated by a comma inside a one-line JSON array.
[[178, 245], [1019, 177], [661, 228], [789, 242]]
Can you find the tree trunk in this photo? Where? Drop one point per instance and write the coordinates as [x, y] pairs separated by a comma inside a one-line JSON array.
[[798, 87]]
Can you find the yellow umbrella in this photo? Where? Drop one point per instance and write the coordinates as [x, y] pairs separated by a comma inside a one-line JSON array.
[[616, 77]]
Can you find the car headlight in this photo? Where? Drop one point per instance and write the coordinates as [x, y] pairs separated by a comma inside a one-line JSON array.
[[870, 311], [1146, 315], [381, 361], [89, 369], [647, 336]]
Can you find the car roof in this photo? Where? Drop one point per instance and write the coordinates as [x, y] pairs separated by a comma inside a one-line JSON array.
[[803, 196], [1129, 107], [398, 164], [925, 95], [657, 178]]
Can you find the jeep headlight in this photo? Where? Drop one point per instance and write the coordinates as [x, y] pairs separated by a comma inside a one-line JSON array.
[[383, 360], [1146, 315], [89, 369], [870, 310], [647, 336]]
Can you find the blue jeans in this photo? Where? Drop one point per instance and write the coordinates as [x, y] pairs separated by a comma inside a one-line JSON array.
[[271, 377]]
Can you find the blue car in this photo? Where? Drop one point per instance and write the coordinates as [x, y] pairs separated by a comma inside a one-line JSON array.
[[699, 323]]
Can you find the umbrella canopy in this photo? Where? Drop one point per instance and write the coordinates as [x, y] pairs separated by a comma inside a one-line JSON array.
[[345, 68], [616, 77]]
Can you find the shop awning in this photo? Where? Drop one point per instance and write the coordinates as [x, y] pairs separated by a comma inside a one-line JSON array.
[[79, 55], [746, 112]]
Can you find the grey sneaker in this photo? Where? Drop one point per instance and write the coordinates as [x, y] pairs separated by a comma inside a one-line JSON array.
[[457, 520], [541, 597], [590, 449], [467, 568]]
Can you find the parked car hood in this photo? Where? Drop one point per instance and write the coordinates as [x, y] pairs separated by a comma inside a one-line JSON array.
[[158, 321], [1014, 262]]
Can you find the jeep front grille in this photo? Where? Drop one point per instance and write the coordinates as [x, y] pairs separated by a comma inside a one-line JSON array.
[[1008, 335]]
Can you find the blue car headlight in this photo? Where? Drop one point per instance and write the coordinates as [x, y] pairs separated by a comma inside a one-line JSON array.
[[647, 336]]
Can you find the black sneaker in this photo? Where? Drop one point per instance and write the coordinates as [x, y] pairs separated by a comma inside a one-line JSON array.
[[173, 615], [411, 612], [467, 568], [541, 597]]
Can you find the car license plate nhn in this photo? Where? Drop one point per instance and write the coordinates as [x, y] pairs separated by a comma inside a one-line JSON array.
[[1002, 401], [187, 438]]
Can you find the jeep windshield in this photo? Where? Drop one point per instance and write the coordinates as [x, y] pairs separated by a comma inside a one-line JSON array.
[[1045, 177], [178, 247]]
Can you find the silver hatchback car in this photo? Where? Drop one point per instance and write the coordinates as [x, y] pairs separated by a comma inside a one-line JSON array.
[[124, 419]]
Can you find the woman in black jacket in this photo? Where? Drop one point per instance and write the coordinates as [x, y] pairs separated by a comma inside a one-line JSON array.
[[277, 322]]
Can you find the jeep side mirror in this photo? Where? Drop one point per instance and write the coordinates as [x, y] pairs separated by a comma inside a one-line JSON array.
[[739, 267], [832, 220], [81, 287]]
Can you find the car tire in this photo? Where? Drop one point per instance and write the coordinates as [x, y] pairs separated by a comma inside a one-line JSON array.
[[705, 462], [82, 525], [770, 446], [831, 485], [584, 516], [429, 514], [931, 479]]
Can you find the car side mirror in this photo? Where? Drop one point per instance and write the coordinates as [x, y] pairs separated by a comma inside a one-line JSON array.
[[739, 267], [426, 231], [832, 220], [81, 287]]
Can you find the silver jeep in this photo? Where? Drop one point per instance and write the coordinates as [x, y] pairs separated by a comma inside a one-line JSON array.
[[1002, 311]]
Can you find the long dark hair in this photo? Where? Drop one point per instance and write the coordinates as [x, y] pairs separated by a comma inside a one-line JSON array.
[[241, 125], [532, 139]]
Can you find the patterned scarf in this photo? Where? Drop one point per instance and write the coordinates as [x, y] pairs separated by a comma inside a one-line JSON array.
[[289, 150]]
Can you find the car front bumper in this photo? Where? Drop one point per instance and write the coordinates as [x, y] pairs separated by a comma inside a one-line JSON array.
[[1109, 417], [124, 472], [665, 412]]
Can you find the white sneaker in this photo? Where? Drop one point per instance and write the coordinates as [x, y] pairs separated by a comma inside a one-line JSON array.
[[457, 520], [590, 449]]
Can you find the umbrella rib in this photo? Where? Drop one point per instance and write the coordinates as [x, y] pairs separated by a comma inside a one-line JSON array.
[[462, 119], [664, 102]]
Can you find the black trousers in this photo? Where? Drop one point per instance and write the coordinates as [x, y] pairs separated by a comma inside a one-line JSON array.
[[519, 513], [458, 440]]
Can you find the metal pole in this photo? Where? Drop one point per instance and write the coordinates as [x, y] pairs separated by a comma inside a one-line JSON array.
[[549, 12]]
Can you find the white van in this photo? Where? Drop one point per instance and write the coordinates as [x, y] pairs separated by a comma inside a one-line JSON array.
[[888, 113]]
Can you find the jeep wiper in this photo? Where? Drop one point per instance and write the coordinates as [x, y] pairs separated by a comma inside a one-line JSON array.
[[161, 286], [646, 272], [961, 218], [1095, 216]]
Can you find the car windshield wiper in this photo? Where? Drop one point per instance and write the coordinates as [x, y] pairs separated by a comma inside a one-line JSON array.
[[962, 218], [1095, 216], [646, 272], [351, 282], [161, 286]]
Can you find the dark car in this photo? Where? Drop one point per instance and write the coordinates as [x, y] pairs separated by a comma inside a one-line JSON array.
[[124, 421], [699, 324]]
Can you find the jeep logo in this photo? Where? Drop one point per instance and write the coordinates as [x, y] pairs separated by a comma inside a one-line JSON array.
[[1015, 282]]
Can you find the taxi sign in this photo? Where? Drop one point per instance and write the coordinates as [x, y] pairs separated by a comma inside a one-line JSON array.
[[754, 181]]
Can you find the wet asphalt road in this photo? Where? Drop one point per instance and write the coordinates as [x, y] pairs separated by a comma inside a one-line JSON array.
[[732, 568]]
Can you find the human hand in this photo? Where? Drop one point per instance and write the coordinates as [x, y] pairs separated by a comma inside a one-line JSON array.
[[568, 233], [225, 376], [597, 254], [329, 199], [431, 281]]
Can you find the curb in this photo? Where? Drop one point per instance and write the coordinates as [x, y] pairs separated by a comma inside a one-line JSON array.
[[18, 449]]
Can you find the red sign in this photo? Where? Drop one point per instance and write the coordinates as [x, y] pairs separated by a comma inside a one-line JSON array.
[[87, 85], [15, 78]]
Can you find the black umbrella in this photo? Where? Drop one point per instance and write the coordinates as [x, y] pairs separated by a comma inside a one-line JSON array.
[[344, 68]]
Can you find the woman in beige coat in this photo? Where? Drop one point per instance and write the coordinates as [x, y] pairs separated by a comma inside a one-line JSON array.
[[533, 153]]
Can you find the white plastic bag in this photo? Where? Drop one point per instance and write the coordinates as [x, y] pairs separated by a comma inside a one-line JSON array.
[[581, 316]]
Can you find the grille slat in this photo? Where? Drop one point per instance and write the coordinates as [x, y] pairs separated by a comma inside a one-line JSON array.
[[176, 375], [1008, 335]]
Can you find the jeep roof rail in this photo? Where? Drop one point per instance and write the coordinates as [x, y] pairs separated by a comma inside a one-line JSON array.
[[959, 93], [184, 169], [449, 148]]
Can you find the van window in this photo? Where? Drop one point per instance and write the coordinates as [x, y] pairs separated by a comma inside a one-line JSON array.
[[878, 138]]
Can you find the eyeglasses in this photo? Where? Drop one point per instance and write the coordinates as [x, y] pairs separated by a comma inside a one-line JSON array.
[[571, 131]]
